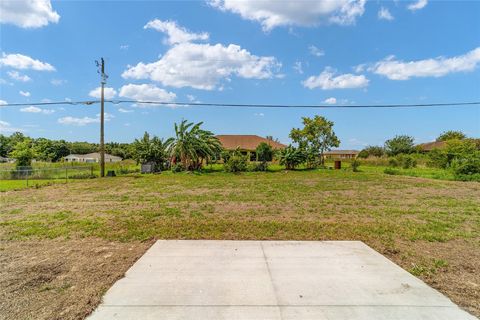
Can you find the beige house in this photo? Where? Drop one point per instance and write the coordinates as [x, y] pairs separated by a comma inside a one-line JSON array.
[[246, 143], [91, 158], [341, 154]]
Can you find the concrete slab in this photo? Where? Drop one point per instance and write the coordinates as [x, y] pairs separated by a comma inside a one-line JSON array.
[[271, 280]]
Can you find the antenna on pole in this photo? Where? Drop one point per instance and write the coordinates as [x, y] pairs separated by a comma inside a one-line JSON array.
[[101, 70]]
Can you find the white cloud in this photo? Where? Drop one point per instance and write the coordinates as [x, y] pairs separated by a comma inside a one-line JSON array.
[[78, 121], [384, 14], [203, 66], [190, 97], [25, 93], [15, 75], [125, 110], [6, 127], [28, 13], [22, 62], [108, 93], [297, 66], [314, 51], [420, 4], [146, 92], [124, 47], [33, 109], [176, 34], [274, 13], [58, 82], [327, 80], [330, 100], [436, 67], [83, 121], [259, 114], [3, 102]]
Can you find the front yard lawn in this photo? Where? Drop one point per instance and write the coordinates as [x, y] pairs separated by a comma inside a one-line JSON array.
[[63, 245]]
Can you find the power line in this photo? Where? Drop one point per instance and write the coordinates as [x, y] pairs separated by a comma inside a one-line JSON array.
[[239, 105]]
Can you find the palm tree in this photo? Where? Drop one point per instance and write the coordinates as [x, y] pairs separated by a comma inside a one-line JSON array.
[[192, 145], [151, 150]]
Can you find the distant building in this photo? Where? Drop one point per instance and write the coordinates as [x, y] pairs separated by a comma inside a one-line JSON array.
[[246, 144], [341, 154], [91, 158], [6, 160]]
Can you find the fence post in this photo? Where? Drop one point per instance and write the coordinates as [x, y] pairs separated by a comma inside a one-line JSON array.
[[66, 174], [26, 176], [91, 171]]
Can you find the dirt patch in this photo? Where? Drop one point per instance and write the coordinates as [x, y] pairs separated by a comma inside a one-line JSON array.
[[60, 279], [452, 268]]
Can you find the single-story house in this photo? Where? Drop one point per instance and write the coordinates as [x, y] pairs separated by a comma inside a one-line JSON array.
[[341, 154], [246, 143], [91, 157], [6, 160]]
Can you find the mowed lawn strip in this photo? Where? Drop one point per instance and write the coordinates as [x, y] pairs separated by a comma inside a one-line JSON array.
[[429, 227]]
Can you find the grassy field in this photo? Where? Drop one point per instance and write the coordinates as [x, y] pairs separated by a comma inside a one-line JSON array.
[[84, 235]]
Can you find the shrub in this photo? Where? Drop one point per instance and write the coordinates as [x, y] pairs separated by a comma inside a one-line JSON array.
[[264, 154], [466, 166], [393, 162], [291, 157], [404, 161], [236, 163], [372, 151], [408, 162], [355, 164], [178, 167]]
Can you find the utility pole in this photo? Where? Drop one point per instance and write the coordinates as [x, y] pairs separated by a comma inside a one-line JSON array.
[[101, 66]]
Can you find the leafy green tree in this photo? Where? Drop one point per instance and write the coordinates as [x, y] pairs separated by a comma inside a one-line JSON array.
[[372, 151], [23, 153], [454, 149], [50, 150], [316, 136], [192, 145], [292, 157], [264, 153], [82, 147], [451, 135], [151, 150], [4, 145], [399, 144]]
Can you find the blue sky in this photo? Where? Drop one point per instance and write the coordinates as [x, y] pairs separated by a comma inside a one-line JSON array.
[[271, 52]]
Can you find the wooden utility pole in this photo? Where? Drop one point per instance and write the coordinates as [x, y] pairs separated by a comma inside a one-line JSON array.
[[104, 77]]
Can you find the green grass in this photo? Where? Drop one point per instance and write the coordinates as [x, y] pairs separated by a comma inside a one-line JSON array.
[[318, 204], [9, 185]]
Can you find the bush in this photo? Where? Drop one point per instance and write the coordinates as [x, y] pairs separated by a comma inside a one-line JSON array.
[[408, 162], [291, 157], [466, 166], [404, 161], [355, 164], [236, 163], [372, 151], [178, 167], [393, 162]]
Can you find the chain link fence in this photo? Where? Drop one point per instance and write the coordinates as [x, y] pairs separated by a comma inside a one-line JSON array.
[[28, 176]]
